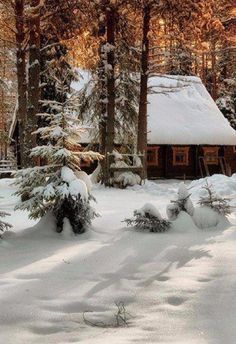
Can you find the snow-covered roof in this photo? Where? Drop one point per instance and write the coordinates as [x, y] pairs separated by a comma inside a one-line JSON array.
[[181, 111]]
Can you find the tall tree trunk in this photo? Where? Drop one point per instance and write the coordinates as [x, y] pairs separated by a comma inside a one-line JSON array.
[[213, 71], [21, 78], [109, 123], [33, 77], [142, 115], [103, 115], [110, 17]]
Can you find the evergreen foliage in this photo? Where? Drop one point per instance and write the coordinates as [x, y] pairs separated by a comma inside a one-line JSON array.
[[227, 100], [148, 219], [54, 186], [182, 203], [215, 202], [4, 225]]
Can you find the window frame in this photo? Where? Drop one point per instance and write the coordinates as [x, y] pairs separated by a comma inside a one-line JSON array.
[[155, 161], [181, 150], [213, 149]]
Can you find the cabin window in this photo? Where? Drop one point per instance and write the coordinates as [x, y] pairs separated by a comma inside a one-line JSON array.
[[180, 156], [211, 155], [152, 156]]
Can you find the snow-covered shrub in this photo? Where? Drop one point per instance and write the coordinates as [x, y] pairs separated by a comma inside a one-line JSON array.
[[182, 203], [214, 201], [54, 186], [148, 218], [4, 225], [128, 178]]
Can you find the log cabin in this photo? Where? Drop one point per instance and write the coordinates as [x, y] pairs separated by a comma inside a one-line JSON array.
[[188, 136]]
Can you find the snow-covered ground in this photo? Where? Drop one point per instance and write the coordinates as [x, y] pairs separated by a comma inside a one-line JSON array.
[[179, 286]]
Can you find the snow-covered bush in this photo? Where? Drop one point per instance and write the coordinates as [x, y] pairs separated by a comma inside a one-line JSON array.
[[148, 218], [4, 225], [54, 186], [127, 178], [182, 203], [214, 201]]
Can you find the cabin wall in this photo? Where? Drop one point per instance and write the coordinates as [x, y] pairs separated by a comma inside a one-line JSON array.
[[230, 157], [166, 168], [181, 171]]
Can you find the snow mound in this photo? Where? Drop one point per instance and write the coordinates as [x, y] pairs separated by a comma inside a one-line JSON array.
[[78, 183], [67, 175], [222, 185], [207, 218], [183, 194], [149, 208], [78, 187], [184, 223], [95, 176]]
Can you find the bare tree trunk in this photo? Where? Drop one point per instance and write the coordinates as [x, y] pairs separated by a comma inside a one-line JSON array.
[[33, 78], [213, 70], [21, 77], [110, 16], [142, 116]]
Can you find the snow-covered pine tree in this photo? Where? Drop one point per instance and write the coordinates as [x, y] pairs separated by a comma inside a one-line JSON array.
[[4, 225], [148, 218], [182, 203], [53, 186], [227, 100], [214, 201]]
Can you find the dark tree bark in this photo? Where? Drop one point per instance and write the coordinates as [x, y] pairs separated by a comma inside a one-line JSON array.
[[33, 76], [21, 78], [142, 116], [110, 17]]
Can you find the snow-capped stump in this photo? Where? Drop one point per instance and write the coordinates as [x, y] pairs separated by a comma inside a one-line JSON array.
[[148, 218], [213, 210], [182, 203]]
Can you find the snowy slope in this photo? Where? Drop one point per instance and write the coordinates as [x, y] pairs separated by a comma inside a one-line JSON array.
[[179, 287], [181, 111]]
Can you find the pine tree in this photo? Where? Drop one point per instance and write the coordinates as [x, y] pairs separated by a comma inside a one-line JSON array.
[[53, 187], [149, 219], [4, 225], [182, 203], [215, 202]]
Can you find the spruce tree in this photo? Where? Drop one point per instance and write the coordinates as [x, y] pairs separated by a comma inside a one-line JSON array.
[[53, 186], [3, 225]]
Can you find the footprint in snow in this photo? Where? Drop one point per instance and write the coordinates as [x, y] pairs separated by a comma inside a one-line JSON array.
[[204, 279], [175, 300], [162, 278]]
